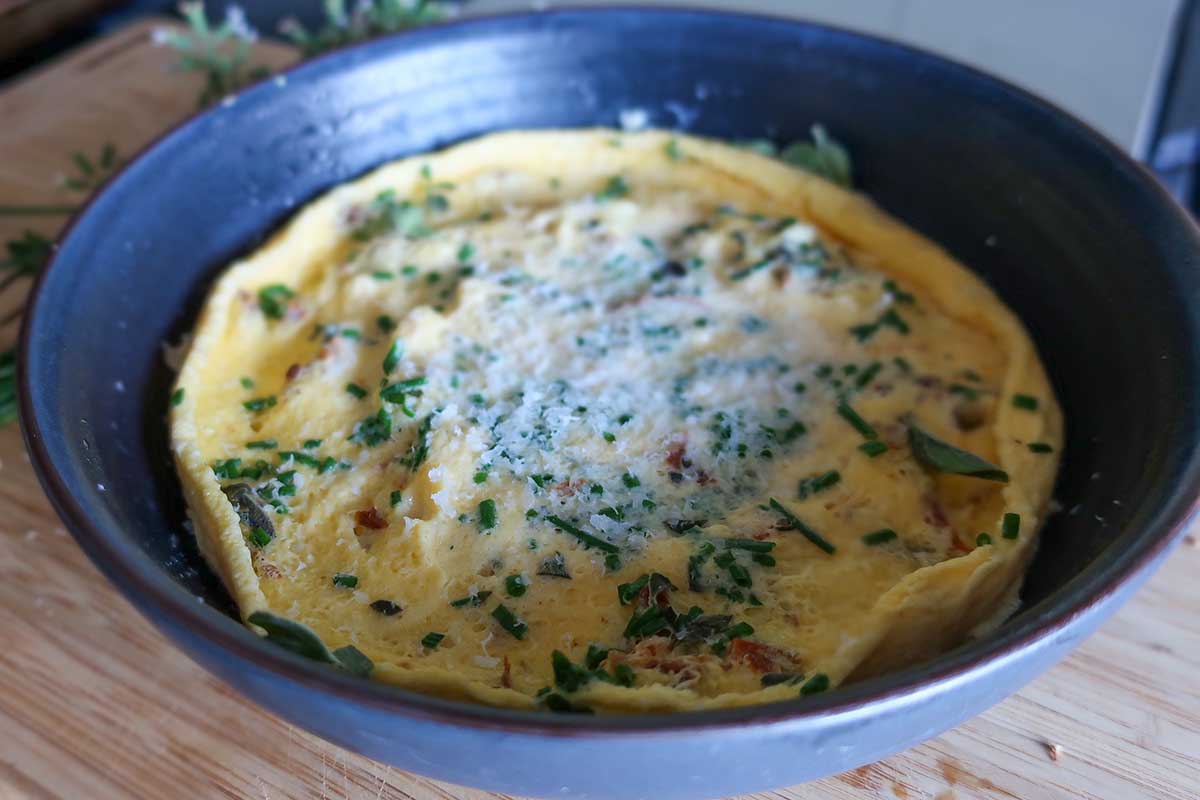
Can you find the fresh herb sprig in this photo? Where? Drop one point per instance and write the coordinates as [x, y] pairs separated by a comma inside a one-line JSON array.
[[366, 20], [220, 53]]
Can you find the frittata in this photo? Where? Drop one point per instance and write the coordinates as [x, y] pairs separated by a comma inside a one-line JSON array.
[[592, 420]]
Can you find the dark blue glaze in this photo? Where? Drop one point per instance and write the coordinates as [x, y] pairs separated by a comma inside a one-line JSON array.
[[1080, 241]]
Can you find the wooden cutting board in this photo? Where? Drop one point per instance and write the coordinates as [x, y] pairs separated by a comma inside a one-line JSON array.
[[94, 703]]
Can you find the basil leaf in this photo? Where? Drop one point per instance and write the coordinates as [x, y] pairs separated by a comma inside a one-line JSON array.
[[945, 457], [291, 635], [354, 661]]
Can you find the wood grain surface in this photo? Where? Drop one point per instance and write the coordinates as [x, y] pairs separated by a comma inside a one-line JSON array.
[[95, 704]]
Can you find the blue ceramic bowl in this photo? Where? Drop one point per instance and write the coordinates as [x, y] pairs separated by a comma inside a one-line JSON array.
[[1093, 255]]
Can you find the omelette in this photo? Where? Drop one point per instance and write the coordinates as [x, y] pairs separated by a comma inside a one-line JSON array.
[[586, 420]]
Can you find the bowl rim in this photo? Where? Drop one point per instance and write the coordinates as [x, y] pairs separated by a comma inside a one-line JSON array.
[[167, 604]]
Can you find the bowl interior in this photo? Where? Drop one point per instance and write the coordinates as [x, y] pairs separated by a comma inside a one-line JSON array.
[[1079, 242]]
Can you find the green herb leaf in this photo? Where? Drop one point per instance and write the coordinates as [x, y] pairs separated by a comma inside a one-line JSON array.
[[1025, 402], [583, 536], [353, 660], [273, 300], [879, 537], [814, 685], [515, 585], [824, 156], [345, 580], [431, 640], [293, 636], [942, 456], [476, 599], [392, 359], [487, 514], [1011, 526], [509, 621], [817, 483]]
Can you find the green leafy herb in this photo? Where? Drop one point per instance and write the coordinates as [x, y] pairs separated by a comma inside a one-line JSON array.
[[177, 397], [221, 53], [583, 536], [646, 622], [260, 403], [1011, 525], [814, 685], [879, 537], [431, 640], [345, 580], [387, 608], [487, 514], [873, 448], [476, 599], [419, 450], [293, 636], [861, 425], [672, 150], [259, 537], [356, 391], [396, 497], [273, 300], [92, 173], [386, 214], [353, 660], [942, 456], [509, 621], [374, 430], [795, 523], [824, 156], [817, 483], [983, 539], [1041, 447], [366, 20], [749, 545], [554, 567], [615, 188], [515, 585], [1025, 402], [392, 359]]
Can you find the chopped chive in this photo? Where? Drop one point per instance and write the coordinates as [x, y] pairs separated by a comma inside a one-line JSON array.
[[1041, 447], [476, 599], [487, 514], [345, 580], [396, 497], [466, 252], [177, 396], [481, 475], [750, 545], [260, 403], [873, 448], [1011, 526], [262, 444], [515, 585], [746, 272], [247, 383], [1025, 401], [350, 333], [408, 270], [382, 275], [867, 375], [273, 300], [894, 320], [259, 538], [797, 524], [672, 150], [800, 387], [311, 444], [356, 390], [509, 621], [394, 354], [583, 536], [386, 607], [983, 539], [609, 437], [630, 480], [817, 483], [814, 685], [861, 425], [615, 187], [879, 537], [385, 323], [431, 640]]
